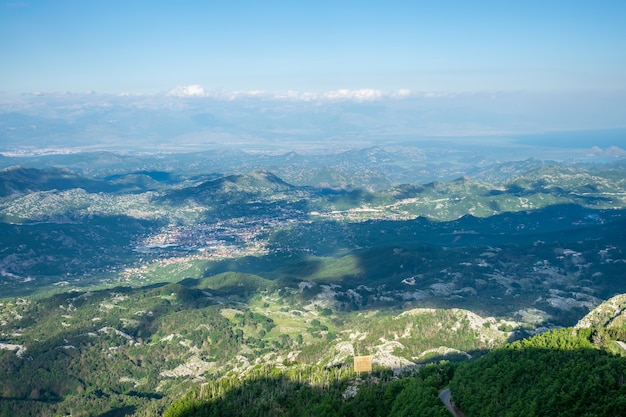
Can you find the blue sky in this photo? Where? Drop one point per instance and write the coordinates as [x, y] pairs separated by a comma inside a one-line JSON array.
[[153, 46]]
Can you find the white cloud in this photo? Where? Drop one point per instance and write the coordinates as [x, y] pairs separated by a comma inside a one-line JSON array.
[[402, 93], [364, 94], [193, 90], [343, 94]]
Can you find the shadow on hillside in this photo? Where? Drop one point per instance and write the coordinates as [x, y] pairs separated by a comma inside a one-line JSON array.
[[451, 264], [543, 381], [19, 179], [321, 393], [119, 412], [69, 248]]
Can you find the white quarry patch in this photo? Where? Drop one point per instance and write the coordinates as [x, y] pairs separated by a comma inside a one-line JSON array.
[[115, 298], [269, 357], [243, 363], [341, 352], [383, 356], [170, 337], [109, 330], [187, 343], [326, 298], [407, 331], [605, 312], [604, 253], [357, 335], [486, 333], [129, 322], [194, 367], [532, 315], [305, 284], [476, 322], [332, 286], [583, 296], [350, 392], [354, 295], [245, 349], [409, 281], [292, 356], [566, 303], [19, 349], [133, 381], [8, 274], [548, 270]]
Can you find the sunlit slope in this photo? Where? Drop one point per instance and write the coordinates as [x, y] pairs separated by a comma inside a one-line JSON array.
[[562, 372], [125, 347]]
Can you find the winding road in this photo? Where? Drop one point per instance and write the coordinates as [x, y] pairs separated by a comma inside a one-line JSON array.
[[444, 396]]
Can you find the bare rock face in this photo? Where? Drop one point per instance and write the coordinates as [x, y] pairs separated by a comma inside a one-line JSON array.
[[610, 313]]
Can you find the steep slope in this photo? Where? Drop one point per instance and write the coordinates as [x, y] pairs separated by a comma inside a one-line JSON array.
[[610, 314], [238, 188], [563, 372], [18, 181], [21, 180]]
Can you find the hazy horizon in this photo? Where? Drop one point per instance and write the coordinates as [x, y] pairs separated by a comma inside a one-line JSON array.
[[194, 75]]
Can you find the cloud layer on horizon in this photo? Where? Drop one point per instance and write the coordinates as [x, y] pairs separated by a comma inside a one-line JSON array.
[[362, 94]]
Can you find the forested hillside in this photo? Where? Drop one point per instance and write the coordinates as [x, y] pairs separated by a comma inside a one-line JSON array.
[[566, 372], [339, 393]]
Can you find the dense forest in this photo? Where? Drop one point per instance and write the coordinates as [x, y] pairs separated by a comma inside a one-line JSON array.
[[319, 392], [566, 372]]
